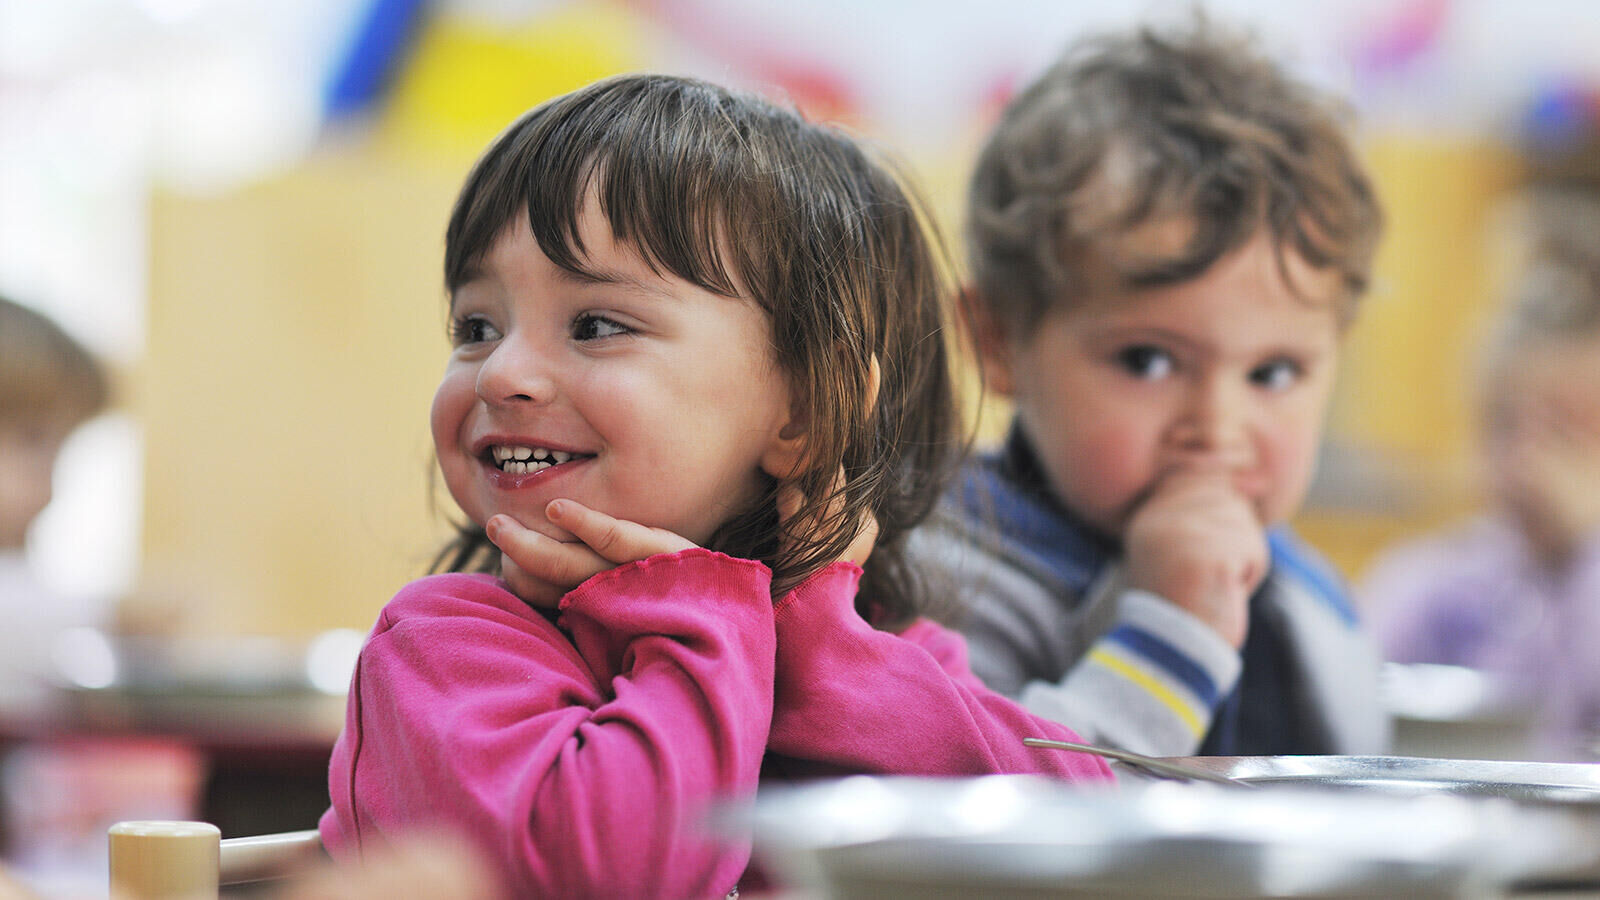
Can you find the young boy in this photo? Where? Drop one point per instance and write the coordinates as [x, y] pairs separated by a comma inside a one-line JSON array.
[[1168, 238]]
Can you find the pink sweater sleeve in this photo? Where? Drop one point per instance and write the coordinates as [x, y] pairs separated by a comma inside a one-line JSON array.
[[582, 766], [851, 698]]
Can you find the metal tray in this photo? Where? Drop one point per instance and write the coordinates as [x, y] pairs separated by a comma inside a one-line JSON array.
[[1568, 789], [1565, 783], [1017, 836]]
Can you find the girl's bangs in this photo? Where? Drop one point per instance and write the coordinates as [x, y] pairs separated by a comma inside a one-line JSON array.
[[663, 183]]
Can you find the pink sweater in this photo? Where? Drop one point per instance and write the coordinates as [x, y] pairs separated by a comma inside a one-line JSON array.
[[581, 759]]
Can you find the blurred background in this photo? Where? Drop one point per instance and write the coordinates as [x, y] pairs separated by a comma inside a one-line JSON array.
[[240, 205]]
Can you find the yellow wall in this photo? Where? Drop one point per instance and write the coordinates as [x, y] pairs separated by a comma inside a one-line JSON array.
[[1402, 384], [1404, 391], [296, 332]]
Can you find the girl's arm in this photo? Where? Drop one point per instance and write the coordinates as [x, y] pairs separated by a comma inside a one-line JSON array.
[[855, 699], [582, 764]]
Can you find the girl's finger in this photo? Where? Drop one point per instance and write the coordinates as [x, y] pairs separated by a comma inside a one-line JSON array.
[[616, 540], [541, 558]]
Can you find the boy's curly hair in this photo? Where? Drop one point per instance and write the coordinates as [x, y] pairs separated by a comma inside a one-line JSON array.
[[1143, 158]]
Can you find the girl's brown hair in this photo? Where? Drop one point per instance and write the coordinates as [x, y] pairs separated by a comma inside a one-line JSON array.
[[747, 199]]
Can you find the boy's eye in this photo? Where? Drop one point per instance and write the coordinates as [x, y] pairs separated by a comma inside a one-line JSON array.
[[591, 327], [1276, 375], [1145, 361], [472, 329]]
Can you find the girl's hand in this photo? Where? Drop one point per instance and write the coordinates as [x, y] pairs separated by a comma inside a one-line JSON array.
[[541, 570]]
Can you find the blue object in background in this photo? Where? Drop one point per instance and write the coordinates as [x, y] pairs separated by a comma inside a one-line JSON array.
[[377, 45], [1560, 116]]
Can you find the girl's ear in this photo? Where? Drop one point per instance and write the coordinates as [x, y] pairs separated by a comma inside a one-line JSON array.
[[989, 340], [786, 455]]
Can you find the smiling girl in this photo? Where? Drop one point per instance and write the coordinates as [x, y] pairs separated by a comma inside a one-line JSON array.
[[698, 366]]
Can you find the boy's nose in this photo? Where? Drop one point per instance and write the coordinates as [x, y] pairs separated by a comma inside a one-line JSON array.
[[1212, 422], [515, 373]]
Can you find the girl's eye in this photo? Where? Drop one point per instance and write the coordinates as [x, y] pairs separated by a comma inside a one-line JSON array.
[[1277, 374], [472, 329], [591, 327], [1146, 362]]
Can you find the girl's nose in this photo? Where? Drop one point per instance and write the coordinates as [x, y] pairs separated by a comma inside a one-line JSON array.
[[515, 373]]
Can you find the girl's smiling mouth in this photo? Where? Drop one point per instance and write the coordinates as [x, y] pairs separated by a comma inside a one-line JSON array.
[[512, 467], [520, 459]]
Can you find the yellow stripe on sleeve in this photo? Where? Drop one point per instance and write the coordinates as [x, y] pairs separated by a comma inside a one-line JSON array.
[[1151, 686]]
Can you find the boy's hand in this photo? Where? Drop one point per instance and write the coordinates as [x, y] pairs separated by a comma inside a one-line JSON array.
[[541, 570], [1197, 543]]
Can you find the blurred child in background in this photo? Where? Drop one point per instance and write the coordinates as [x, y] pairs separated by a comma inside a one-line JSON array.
[[1516, 592], [1168, 238], [49, 385]]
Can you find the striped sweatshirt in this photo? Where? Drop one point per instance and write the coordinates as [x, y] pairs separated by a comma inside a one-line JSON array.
[[1049, 621]]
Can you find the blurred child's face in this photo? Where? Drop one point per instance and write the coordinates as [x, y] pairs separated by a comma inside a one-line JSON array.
[[1228, 372], [637, 394], [28, 454], [1543, 446]]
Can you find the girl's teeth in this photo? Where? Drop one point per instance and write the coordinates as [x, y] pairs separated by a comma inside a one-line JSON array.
[[521, 460]]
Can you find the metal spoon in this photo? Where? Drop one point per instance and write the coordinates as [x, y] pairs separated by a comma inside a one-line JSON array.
[[1151, 764]]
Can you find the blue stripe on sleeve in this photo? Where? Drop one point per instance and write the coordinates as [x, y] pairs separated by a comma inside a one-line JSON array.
[[1169, 658]]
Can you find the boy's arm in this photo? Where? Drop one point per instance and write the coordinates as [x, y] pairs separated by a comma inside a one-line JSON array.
[[1121, 667], [1194, 552], [1033, 639], [581, 764], [1151, 684], [1155, 679]]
